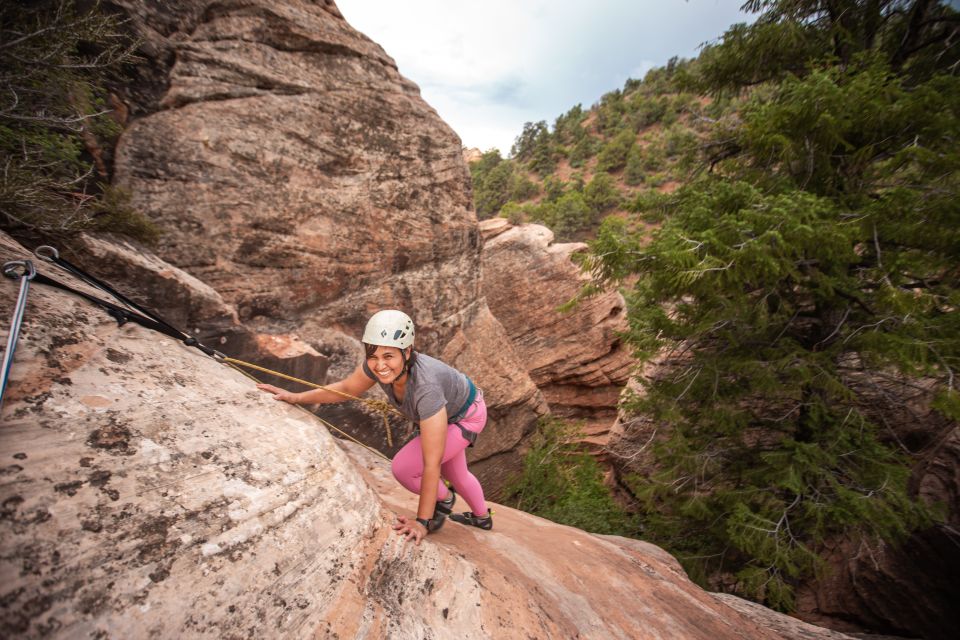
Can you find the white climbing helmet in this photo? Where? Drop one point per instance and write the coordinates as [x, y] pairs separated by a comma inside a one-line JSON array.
[[389, 328]]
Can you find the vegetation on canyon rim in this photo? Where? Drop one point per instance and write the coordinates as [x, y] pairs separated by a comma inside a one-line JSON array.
[[55, 127], [815, 240], [562, 483]]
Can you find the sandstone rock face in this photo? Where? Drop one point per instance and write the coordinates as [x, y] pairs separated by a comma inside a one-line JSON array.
[[191, 306], [187, 302], [149, 491], [295, 171], [290, 164], [481, 346], [471, 155], [576, 358]]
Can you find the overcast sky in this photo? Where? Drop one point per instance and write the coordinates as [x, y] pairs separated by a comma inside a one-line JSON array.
[[489, 66]]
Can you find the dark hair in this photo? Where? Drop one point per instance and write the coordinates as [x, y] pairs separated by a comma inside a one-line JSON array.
[[370, 349]]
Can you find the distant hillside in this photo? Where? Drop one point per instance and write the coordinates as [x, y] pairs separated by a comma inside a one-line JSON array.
[[619, 156]]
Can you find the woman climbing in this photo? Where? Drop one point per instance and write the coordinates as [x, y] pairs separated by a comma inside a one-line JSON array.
[[446, 405]]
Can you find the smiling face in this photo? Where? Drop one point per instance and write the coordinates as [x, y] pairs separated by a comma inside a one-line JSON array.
[[386, 363]]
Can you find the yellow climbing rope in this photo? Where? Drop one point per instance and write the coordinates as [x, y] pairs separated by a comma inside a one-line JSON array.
[[380, 406]]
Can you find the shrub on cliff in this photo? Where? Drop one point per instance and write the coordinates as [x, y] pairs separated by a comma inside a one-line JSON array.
[[54, 121], [613, 155], [601, 195], [582, 151], [825, 240], [568, 214], [535, 147], [561, 483]]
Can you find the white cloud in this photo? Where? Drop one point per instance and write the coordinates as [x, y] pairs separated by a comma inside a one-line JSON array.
[[489, 67]]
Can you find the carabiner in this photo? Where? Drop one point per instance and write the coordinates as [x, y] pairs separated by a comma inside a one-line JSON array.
[[29, 271], [44, 249]]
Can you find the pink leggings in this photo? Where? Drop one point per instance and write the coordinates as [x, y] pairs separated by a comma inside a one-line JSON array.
[[408, 463]]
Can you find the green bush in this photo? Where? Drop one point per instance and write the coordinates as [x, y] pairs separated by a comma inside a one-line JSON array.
[[645, 110], [582, 151], [522, 188], [679, 141], [634, 173], [515, 213], [492, 181], [553, 188], [610, 112], [613, 156], [601, 194], [653, 157], [561, 484], [55, 62], [567, 127]]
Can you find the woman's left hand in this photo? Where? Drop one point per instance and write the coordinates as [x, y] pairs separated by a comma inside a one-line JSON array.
[[410, 528]]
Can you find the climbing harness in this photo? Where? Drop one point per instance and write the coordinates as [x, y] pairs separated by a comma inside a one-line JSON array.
[[28, 274], [469, 436], [130, 311]]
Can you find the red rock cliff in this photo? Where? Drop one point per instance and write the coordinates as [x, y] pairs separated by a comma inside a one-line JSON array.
[[295, 171]]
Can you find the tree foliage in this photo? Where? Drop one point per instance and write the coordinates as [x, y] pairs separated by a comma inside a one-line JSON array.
[[55, 63], [492, 177], [563, 484], [613, 156], [823, 244], [535, 147]]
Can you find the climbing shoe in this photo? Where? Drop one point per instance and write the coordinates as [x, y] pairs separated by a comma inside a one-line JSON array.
[[446, 506], [468, 517], [434, 524]]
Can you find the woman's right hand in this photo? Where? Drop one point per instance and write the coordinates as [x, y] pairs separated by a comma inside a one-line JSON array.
[[279, 394]]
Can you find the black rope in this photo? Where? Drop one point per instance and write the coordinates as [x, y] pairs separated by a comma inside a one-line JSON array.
[[50, 254], [138, 314]]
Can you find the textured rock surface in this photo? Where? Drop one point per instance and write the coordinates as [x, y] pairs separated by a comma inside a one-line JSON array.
[[786, 627], [294, 170], [191, 306], [576, 358], [188, 303], [291, 165], [148, 491]]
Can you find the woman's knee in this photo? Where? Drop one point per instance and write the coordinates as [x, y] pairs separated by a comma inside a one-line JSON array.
[[405, 467]]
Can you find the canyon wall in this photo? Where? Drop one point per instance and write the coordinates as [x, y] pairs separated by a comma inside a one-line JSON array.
[[295, 171]]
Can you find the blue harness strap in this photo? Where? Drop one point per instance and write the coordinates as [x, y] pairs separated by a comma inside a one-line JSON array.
[[469, 436]]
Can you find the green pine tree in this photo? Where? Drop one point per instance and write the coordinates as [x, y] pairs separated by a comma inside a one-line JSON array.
[[823, 244]]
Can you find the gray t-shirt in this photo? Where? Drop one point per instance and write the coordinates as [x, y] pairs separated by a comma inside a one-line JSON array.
[[431, 384]]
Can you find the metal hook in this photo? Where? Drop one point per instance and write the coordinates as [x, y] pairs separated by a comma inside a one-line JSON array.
[[10, 268], [43, 250]]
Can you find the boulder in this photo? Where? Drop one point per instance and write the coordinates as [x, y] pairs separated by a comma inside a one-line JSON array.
[[575, 357], [150, 491], [181, 299]]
